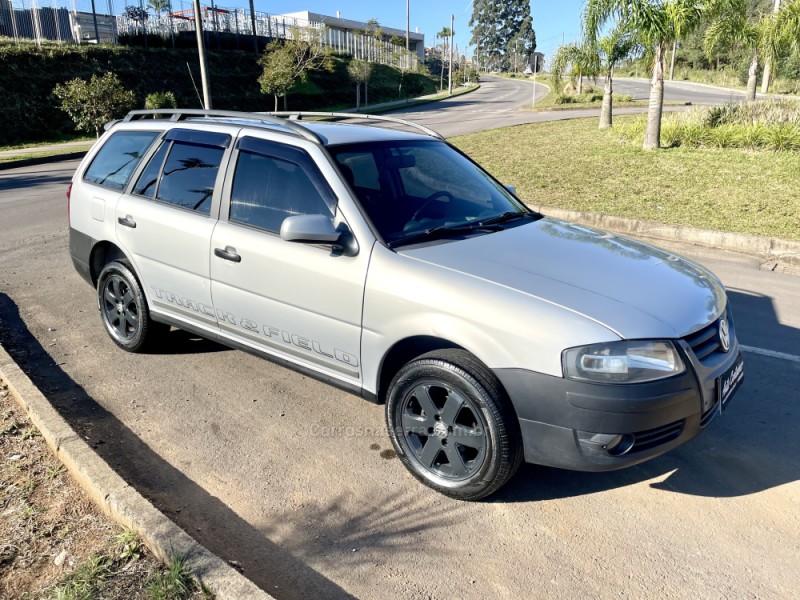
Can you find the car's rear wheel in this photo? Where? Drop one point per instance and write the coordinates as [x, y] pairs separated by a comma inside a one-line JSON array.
[[123, 308], [452, 424]]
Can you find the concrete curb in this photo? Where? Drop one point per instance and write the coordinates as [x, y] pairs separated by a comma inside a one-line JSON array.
[[118, 499], [768, 249], [41, 160]]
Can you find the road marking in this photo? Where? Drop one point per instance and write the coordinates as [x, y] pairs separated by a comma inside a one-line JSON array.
[[771, 353]]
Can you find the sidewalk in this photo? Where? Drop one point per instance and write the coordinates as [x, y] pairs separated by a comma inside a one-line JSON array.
[[49, 148]]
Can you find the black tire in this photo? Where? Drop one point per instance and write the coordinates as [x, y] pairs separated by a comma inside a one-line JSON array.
[[123, 308], [452, 424]]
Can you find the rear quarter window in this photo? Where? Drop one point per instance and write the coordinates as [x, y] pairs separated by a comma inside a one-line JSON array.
[[114, 163]]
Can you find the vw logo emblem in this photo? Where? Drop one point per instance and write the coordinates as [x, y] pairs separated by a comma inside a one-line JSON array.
[[724, 335]]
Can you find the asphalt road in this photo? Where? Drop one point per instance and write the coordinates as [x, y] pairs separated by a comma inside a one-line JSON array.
[[495, 104], [297, 481], [678, 91]]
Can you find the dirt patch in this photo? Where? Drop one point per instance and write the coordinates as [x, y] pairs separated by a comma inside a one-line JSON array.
[[54, 541]]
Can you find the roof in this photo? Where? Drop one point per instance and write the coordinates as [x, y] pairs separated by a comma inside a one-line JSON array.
[[323, 132], [342, 133]]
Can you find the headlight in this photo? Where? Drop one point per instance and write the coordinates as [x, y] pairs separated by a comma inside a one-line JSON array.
[[622, 362]]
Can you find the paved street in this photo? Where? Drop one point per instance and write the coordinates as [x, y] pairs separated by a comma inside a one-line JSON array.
[[297, 481]]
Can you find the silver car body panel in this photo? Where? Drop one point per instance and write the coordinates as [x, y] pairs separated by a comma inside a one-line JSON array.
[[514, 298]]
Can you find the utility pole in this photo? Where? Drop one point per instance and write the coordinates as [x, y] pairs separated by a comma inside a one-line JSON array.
[[768, 63], [450, 70], [201, 50], [253, 25], [408, 23], [535, 68]]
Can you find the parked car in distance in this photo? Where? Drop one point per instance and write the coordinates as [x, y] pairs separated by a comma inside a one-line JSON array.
[[389, 264]]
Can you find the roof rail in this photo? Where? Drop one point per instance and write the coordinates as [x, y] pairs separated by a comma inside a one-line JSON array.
[[344, 115], [181, 114]]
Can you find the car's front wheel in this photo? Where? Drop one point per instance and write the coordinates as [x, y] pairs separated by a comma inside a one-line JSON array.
[[452, 424], [123, 308]]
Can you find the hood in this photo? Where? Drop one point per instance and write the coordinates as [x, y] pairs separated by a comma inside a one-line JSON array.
[[634, 289]]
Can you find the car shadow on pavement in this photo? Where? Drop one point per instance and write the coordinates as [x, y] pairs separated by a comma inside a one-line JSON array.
[[178, 341], [206, 518], [754, 446], [14, 181]]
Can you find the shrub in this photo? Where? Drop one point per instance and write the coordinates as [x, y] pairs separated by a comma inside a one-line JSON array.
[[91, 104], [565, 99], [160, 100]]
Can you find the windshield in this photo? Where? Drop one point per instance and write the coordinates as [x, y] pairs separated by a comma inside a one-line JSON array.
[[408, 188]]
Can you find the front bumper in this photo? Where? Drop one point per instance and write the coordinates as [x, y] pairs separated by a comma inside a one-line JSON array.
[[602, 427]]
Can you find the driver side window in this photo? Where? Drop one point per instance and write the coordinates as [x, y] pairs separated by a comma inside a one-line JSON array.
[[272, 183]]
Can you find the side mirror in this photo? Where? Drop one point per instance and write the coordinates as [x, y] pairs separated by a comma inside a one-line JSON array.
[[511, 189], [318, 229], [311, 229]]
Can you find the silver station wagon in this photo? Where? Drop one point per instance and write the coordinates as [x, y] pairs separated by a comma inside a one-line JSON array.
[[387, 263]]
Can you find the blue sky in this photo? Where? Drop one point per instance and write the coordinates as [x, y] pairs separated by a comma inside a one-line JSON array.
[[552, 18]]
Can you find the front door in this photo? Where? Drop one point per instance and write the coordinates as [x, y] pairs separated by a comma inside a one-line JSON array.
[[296, 301]]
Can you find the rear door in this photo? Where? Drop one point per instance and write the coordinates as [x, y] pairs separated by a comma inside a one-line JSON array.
[[297, 301], [165, 222]]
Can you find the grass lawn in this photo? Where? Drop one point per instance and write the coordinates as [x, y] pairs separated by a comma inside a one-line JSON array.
[[28, 155], [573, 165]]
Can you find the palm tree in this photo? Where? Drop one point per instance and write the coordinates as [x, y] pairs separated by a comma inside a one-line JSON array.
[[787, 25], [612, 49], [581, 60], [731, 28], [158, 6], [444, 34], [656, 23]]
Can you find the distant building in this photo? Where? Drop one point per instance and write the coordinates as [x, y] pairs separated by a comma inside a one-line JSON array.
[[416, 40]]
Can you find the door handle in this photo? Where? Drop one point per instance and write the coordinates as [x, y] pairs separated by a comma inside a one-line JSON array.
[[229, 253], [127, 221]]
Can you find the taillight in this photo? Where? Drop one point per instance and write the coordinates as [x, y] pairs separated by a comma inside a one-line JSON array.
[[69, 195]]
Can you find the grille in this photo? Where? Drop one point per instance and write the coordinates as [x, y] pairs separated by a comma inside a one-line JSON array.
[[645, 440], [704, 342]]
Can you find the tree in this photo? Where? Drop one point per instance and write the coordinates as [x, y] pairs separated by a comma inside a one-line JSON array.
[[496, 27], [612, 50], [656, 23], [443, 35], [91, 104], [576, 59], [135, 13], [287, 62], [360, 71], [158, 6], [732, 28], [484, 24]]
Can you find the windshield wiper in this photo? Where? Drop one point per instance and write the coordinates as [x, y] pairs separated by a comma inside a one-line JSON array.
[[491, 224], [505, 217], [442, 231]]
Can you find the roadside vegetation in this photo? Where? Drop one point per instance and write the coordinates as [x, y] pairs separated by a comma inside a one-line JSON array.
[[29, 109], [55, 543], [765, 125], [759, 32], [572, 165]]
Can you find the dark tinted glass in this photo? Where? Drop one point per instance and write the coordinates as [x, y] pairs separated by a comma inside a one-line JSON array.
[[189, 176], [146, 186], [266, 190], [409, 187], [116, 160]]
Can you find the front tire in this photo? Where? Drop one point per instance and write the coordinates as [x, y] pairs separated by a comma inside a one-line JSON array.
[[123, 308], [452, 425]]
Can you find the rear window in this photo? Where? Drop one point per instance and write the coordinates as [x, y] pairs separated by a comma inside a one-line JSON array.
[[113, 165]]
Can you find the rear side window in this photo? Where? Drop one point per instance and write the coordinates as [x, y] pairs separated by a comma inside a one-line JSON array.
[[189, 175], [113, 164]]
